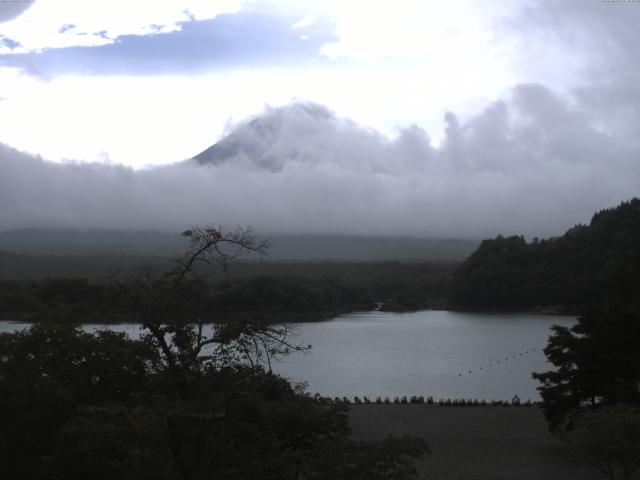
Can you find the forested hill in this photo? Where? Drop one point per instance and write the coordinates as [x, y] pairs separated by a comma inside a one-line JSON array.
[[574, 270]]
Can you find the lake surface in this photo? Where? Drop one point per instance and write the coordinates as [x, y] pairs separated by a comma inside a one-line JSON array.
[[439, 353]]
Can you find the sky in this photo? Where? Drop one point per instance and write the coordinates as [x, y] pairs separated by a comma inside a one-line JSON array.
[[428, 118]]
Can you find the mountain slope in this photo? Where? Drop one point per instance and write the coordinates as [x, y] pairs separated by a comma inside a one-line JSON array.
[[283, 247], [577, 269]]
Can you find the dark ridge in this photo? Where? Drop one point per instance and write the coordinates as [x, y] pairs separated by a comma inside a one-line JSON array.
[[348, 248], [576, 269]]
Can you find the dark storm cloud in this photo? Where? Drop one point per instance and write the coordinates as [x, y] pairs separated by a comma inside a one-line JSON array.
[[529, 164], [241, 39]]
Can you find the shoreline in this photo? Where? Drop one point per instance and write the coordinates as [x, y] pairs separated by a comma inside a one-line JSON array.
[[302, 317]]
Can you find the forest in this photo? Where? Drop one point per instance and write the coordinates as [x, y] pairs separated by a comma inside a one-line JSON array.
[[574, 270], [289, 291]]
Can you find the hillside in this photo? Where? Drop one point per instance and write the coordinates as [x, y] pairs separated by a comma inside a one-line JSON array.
[[573, 270], [287, 248]]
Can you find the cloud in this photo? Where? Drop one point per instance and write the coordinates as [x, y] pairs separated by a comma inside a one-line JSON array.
[[252, 57], [13, 9], [45, 24], [528, 164], [594, 43], [542, 157], [438, 32], [8, 43], [199, 46]]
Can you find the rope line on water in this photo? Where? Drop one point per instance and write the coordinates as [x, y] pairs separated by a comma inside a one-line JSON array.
[[429, 400], [498, 362]]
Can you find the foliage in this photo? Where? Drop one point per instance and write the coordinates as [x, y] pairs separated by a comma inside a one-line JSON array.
[[574, 270], [48, 372], [597, 363], [287, 294], [186, 401], [609, 440], [261, 289], [73, 406]]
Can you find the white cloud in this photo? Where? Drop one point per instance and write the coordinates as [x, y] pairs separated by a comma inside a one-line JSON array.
[[529, 164], [413, 29], [396, 64], [158, 120], [306, 21], [66, 23]]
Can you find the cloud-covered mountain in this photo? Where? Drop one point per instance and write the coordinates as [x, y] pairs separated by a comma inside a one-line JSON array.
[[530, 163], [310, 134]]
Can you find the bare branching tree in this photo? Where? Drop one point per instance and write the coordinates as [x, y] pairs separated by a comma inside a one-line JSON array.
[[253, 342], [157, 293]]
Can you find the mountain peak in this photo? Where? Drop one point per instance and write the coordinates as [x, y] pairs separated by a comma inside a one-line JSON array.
[[273, 138]]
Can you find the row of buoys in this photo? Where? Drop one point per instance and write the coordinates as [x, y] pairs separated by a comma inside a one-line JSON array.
[[448, 402], [483, 403], [498, 362], [364, 399]]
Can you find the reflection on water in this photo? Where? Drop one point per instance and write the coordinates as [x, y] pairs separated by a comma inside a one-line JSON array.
[[439, 353]]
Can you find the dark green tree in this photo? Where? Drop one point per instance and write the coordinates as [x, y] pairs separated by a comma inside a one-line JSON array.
[[574, 270], [47, 373], [597, 363]]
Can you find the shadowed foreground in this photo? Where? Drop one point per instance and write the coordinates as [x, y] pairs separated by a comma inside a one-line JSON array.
[[474, 443]]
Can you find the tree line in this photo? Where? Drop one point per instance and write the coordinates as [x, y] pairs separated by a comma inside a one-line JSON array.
[[279, 296], [574, 270]]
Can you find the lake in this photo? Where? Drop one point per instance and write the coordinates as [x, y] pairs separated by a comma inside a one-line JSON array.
[[439, 353]]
